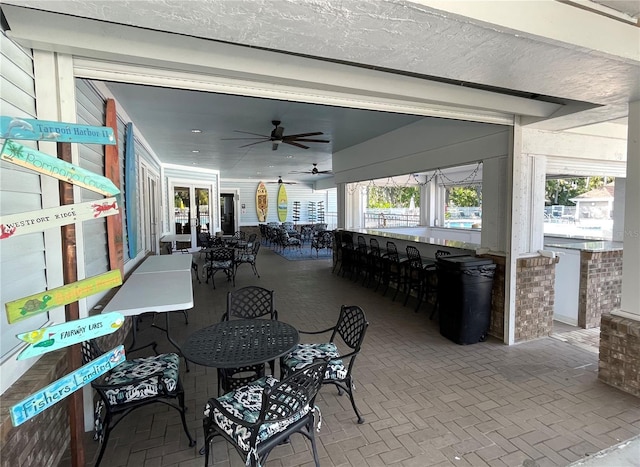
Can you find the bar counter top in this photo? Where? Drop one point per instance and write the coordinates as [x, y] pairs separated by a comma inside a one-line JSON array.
[[415, 238], [595, 246]]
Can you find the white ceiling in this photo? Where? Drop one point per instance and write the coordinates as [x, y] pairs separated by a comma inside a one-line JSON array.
[[577, 66], [166, 117]]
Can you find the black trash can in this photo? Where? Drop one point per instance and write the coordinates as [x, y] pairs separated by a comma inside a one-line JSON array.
[[464, 297]]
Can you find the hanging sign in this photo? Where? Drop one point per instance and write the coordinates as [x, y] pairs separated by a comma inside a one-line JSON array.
[[42, 130], [32, 305], [37, 221], [42, 163], [65, 386], [73, 332]]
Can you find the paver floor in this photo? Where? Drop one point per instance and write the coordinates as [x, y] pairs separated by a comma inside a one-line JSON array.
[[426, 401]]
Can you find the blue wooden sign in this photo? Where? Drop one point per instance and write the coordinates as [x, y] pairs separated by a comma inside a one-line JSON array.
[[45, 164], [130, 191], [65, 386], [42, 130], [56, 337]]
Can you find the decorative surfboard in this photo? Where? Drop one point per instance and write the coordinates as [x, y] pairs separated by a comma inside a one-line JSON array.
[[14, 225], [56, 337], [130, 191], [283, 204], [45, 164], [32, 305], [262, 202], [40, 401]]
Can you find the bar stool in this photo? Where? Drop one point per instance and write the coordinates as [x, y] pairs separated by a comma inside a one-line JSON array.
[[374, 263], [417, 276], [393, 269]]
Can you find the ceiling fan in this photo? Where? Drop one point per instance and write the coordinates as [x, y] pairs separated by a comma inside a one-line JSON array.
[[280, 182], [313, 171], [277, 136]]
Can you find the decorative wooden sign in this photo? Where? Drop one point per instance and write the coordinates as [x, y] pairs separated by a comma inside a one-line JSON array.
[[42, 163], [37, 221], [283, 204], [56, 337], [130, 191], [32, 305], [262, 202], [42, 130], [65, 386]]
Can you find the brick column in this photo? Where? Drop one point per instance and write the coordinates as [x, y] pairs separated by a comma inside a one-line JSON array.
[[620, 330], [620, 353], [535, 297], [600, 285]]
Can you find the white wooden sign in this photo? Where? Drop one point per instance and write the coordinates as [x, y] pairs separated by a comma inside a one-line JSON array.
[[37, 221]]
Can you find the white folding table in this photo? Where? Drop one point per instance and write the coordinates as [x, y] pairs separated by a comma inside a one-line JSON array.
[[159, 292], [165, 263], [173, 238]]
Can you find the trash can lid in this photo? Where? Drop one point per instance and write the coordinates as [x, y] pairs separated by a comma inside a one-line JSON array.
[[463, 262]]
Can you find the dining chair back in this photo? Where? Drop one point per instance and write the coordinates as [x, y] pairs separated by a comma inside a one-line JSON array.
[[251, 302], [257, 417]]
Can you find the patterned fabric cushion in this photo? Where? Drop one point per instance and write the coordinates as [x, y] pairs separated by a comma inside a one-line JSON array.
[[220, 264], [305, 354], [153, 376], [246, 258], [245, 403]]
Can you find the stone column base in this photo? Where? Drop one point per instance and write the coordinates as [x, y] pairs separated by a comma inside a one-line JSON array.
[[619, 364]]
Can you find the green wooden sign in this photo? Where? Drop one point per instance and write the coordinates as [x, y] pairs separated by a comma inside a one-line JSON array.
[[37, 221], [32, 305], [42, 130], [45, 164], [65, 386], [56, 337]]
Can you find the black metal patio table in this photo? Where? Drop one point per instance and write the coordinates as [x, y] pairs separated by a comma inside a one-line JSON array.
[[239, 343]]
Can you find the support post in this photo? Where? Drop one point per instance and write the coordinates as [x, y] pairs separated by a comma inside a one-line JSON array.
[[72, 312]]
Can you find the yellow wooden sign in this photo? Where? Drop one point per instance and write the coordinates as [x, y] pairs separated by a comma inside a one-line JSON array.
[[32, 305]]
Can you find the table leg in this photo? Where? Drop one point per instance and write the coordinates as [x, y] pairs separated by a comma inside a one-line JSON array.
[[134, 333], [167, 331]]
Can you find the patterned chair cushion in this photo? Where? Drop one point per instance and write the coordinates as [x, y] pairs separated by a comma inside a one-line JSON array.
[[305, 354], [245, 403], [220, 264], [246, 258], [157, 375]]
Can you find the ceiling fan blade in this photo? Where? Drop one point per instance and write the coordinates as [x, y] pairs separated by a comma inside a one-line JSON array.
[[251, 144], [299, 172], [293, 143], [325, 171], [312, 140], [303, 135], [263, 138], [249, 133]]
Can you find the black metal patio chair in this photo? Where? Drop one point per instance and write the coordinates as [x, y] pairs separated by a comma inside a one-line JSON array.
[[351, 328], [133, 384], [251, 302], [257, 417], [219, 259], [249, 257]]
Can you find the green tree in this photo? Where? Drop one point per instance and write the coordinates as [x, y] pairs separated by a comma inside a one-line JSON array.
[[385, 197], [464, 196], [561, 190]]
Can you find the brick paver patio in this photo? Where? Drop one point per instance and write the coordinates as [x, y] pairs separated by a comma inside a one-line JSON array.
[[426, 401]]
